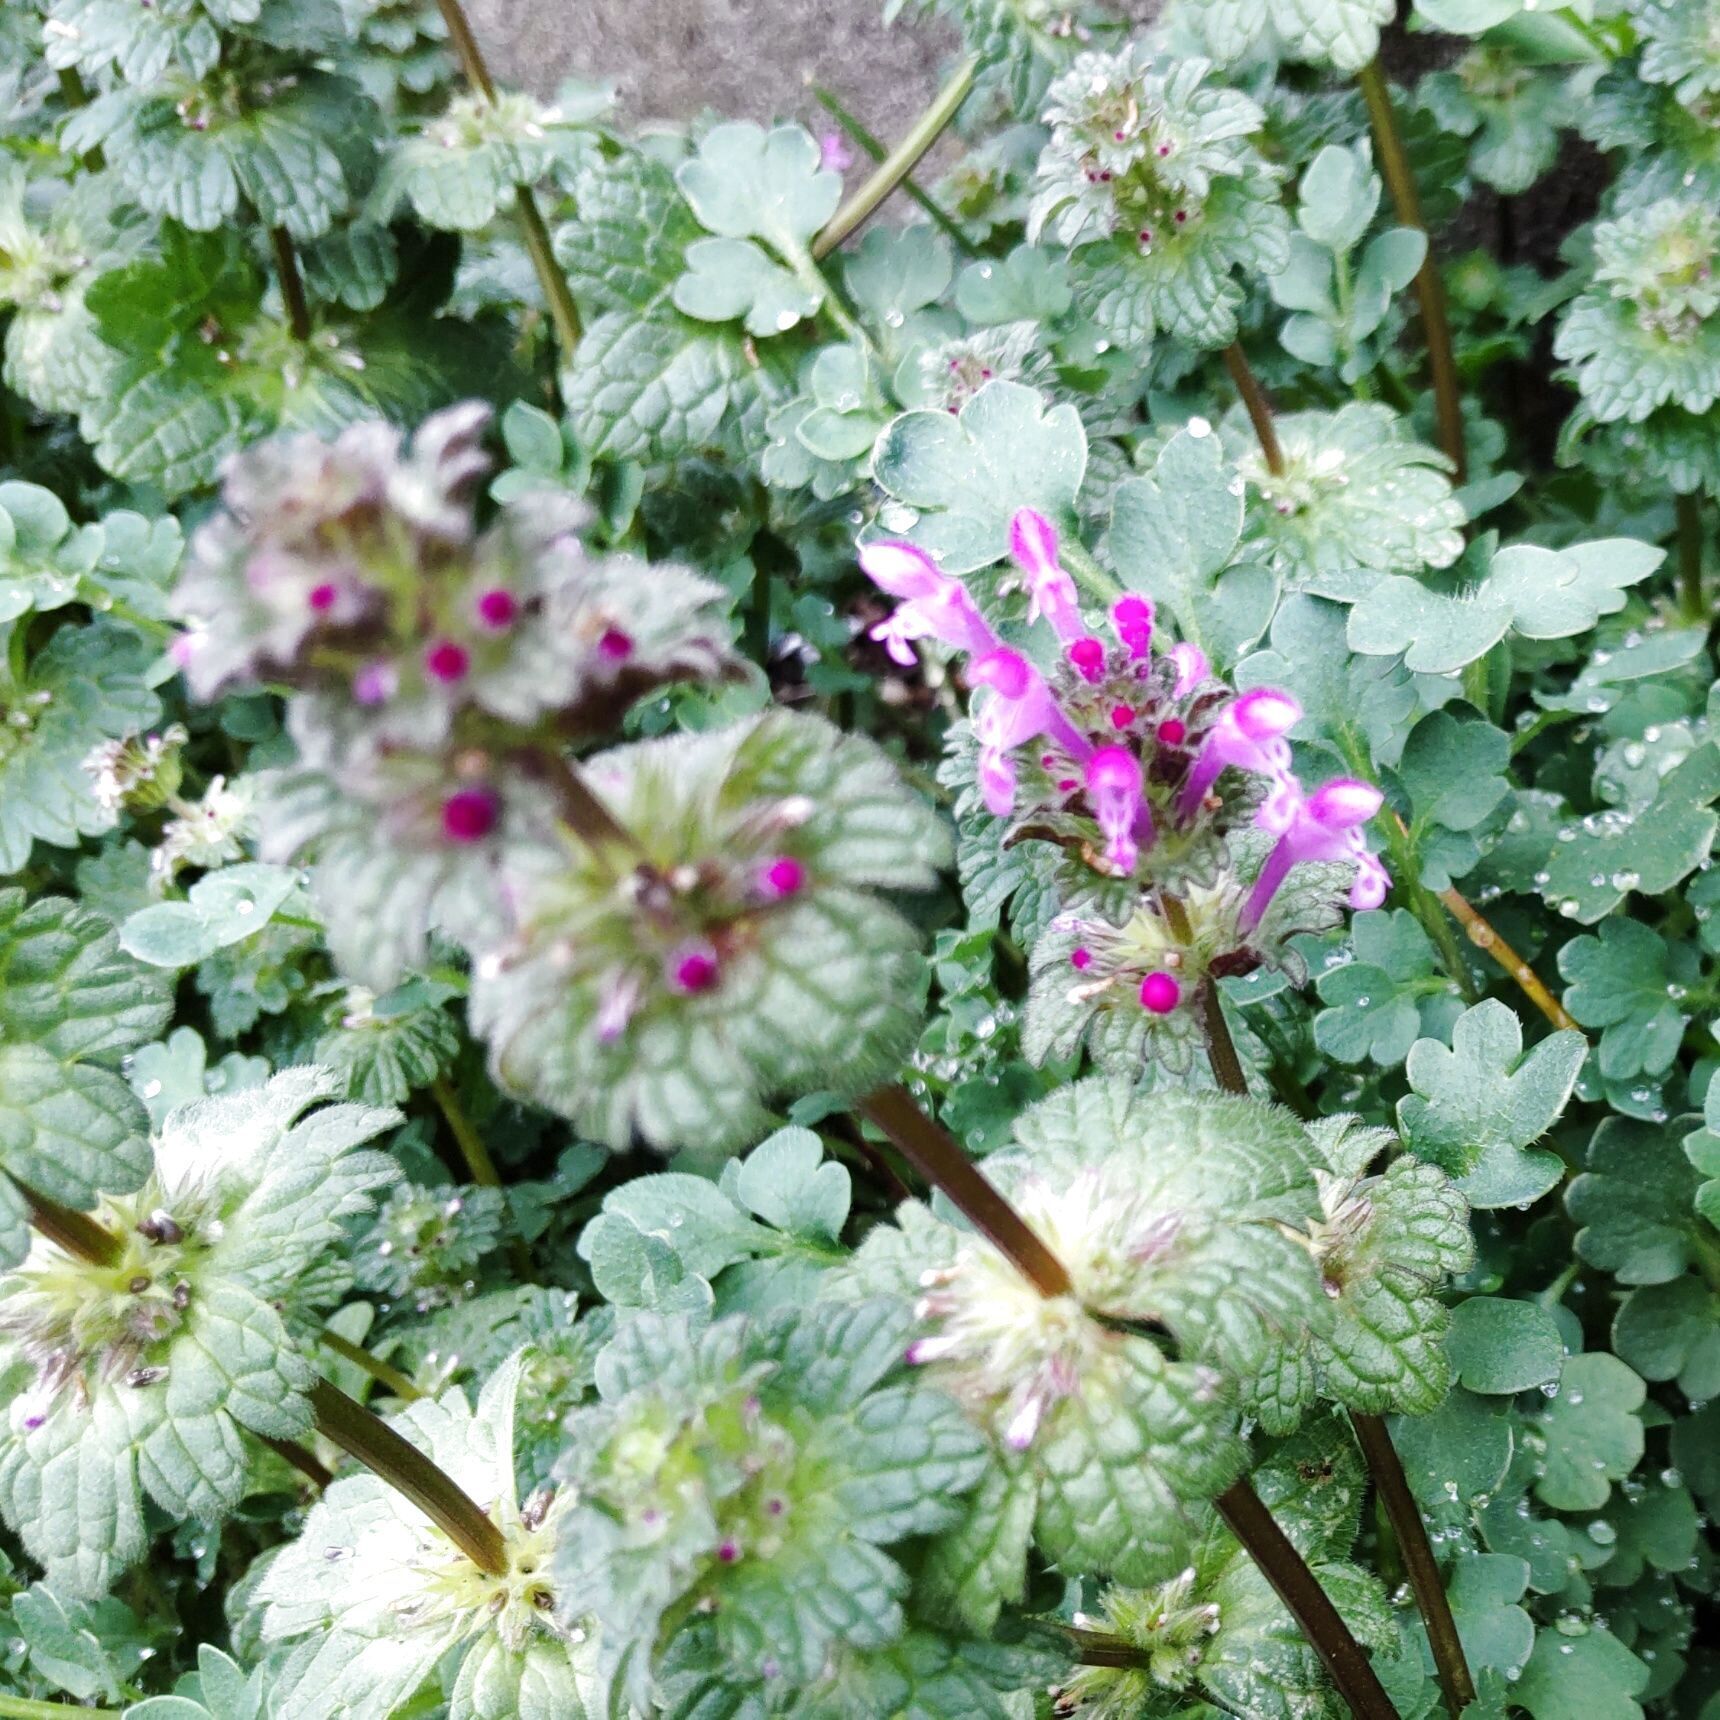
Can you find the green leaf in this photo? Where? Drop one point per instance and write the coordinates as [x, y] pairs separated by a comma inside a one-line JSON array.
[[1671, 1331], [733, 278], [69, 1130], [1593, 1433], [1620, 983], [1500, 1347], [1635, 1202], [86, 685], [788, 1182], [1453, 770], [1339, 194], [746, 183], [962, 479], [224, 907], [1389, 996], [1591, 1674], [1484, 1589], [1174, 535], [1477, 1107]]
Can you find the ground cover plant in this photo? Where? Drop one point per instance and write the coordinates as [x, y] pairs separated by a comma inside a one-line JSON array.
[[931, 945]]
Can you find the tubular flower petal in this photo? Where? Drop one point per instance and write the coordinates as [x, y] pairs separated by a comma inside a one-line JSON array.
[[933, 605], [1114, 787], [1328, 826], [1050, 591], [1249, 735], [1019, 707], [1191, 666], [1132, 621]]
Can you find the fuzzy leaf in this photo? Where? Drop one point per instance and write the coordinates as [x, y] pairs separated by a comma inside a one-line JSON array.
[[1500, 1347]]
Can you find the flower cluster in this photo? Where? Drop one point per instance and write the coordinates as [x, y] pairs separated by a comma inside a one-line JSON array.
[[1136, 760], [1150, 176], [1644, 333]]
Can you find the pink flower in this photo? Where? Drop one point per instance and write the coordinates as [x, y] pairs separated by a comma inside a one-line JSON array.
[[1087, 657], [1328, 826], [1114, 788], [447, 661], [1020, 706], [618, 999], [1050, 591], [1132, 621], [1191, 666], [615, 646], [834, 155], [375, 683], [693, 968], [497, 608], [1248, 735], [1160, 993], [322, 598], [470, 814], [781, 878], [933, 606]]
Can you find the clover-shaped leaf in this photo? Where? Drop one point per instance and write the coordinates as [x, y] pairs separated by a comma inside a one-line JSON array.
[[1635, 1202], [1477, 1106], [730, 278], [1593, 1432], [1453, 770], [747, 183], [1622, 981], [1592, 1674], [1500, 1347], [223, 908], [1389, 996], [1671, 1331], [962, 479]]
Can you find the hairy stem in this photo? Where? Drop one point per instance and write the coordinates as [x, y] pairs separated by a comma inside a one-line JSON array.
[[1484, 937], [1259, 407], [1430, 1598], [899, 163], [478, 1161], [292, 283], [1429, 289], [577, 804], [76, 1232], [24, 1708], [933, 1152], [1689, 507], [563, 312], [1220, 1047], [379, 1370], [1344, 1658], [306, 1463], [347, 1423], [869, 142]]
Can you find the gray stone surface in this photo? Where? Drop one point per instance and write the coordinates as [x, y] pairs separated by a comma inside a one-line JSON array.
[[745, 59]]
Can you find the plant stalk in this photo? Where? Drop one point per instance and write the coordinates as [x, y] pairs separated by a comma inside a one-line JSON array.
[[76, 1232], [305, 1462], [375, 1366], [870, 142], [563, 312], [1392, 1486], [1344, 1658], [577, 804], [1481, 933], [26, 1708], [347, 1423], [292, 283], [1429, 289], [1259, 407], [1220, 1047], [899, 163], [933, 1152], [1689, 508]]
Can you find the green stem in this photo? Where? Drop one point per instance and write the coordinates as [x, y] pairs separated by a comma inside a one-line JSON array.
[[869, 142], [563, 312], [1220, 1047], [1087, 572], [1344, 1658], [899, 163], [1689, 509], [478, 1161], [933, 1152], [76, 1232], [1259, 407], [75, 95], [578, 806], [347, 1423], [24, 1708], [1430, 290], [292, 283], [379, 1370], [1385, 1466], [307, 1464]]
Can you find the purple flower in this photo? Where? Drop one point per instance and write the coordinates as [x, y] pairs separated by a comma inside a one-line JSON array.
[[693, 968], [834, 155], [470, 814], [1050, 591], [1160, 992], [1132, 621], [1114, 788], [933, 605], [1248, 735], [1020, 706], [1326, 826]]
